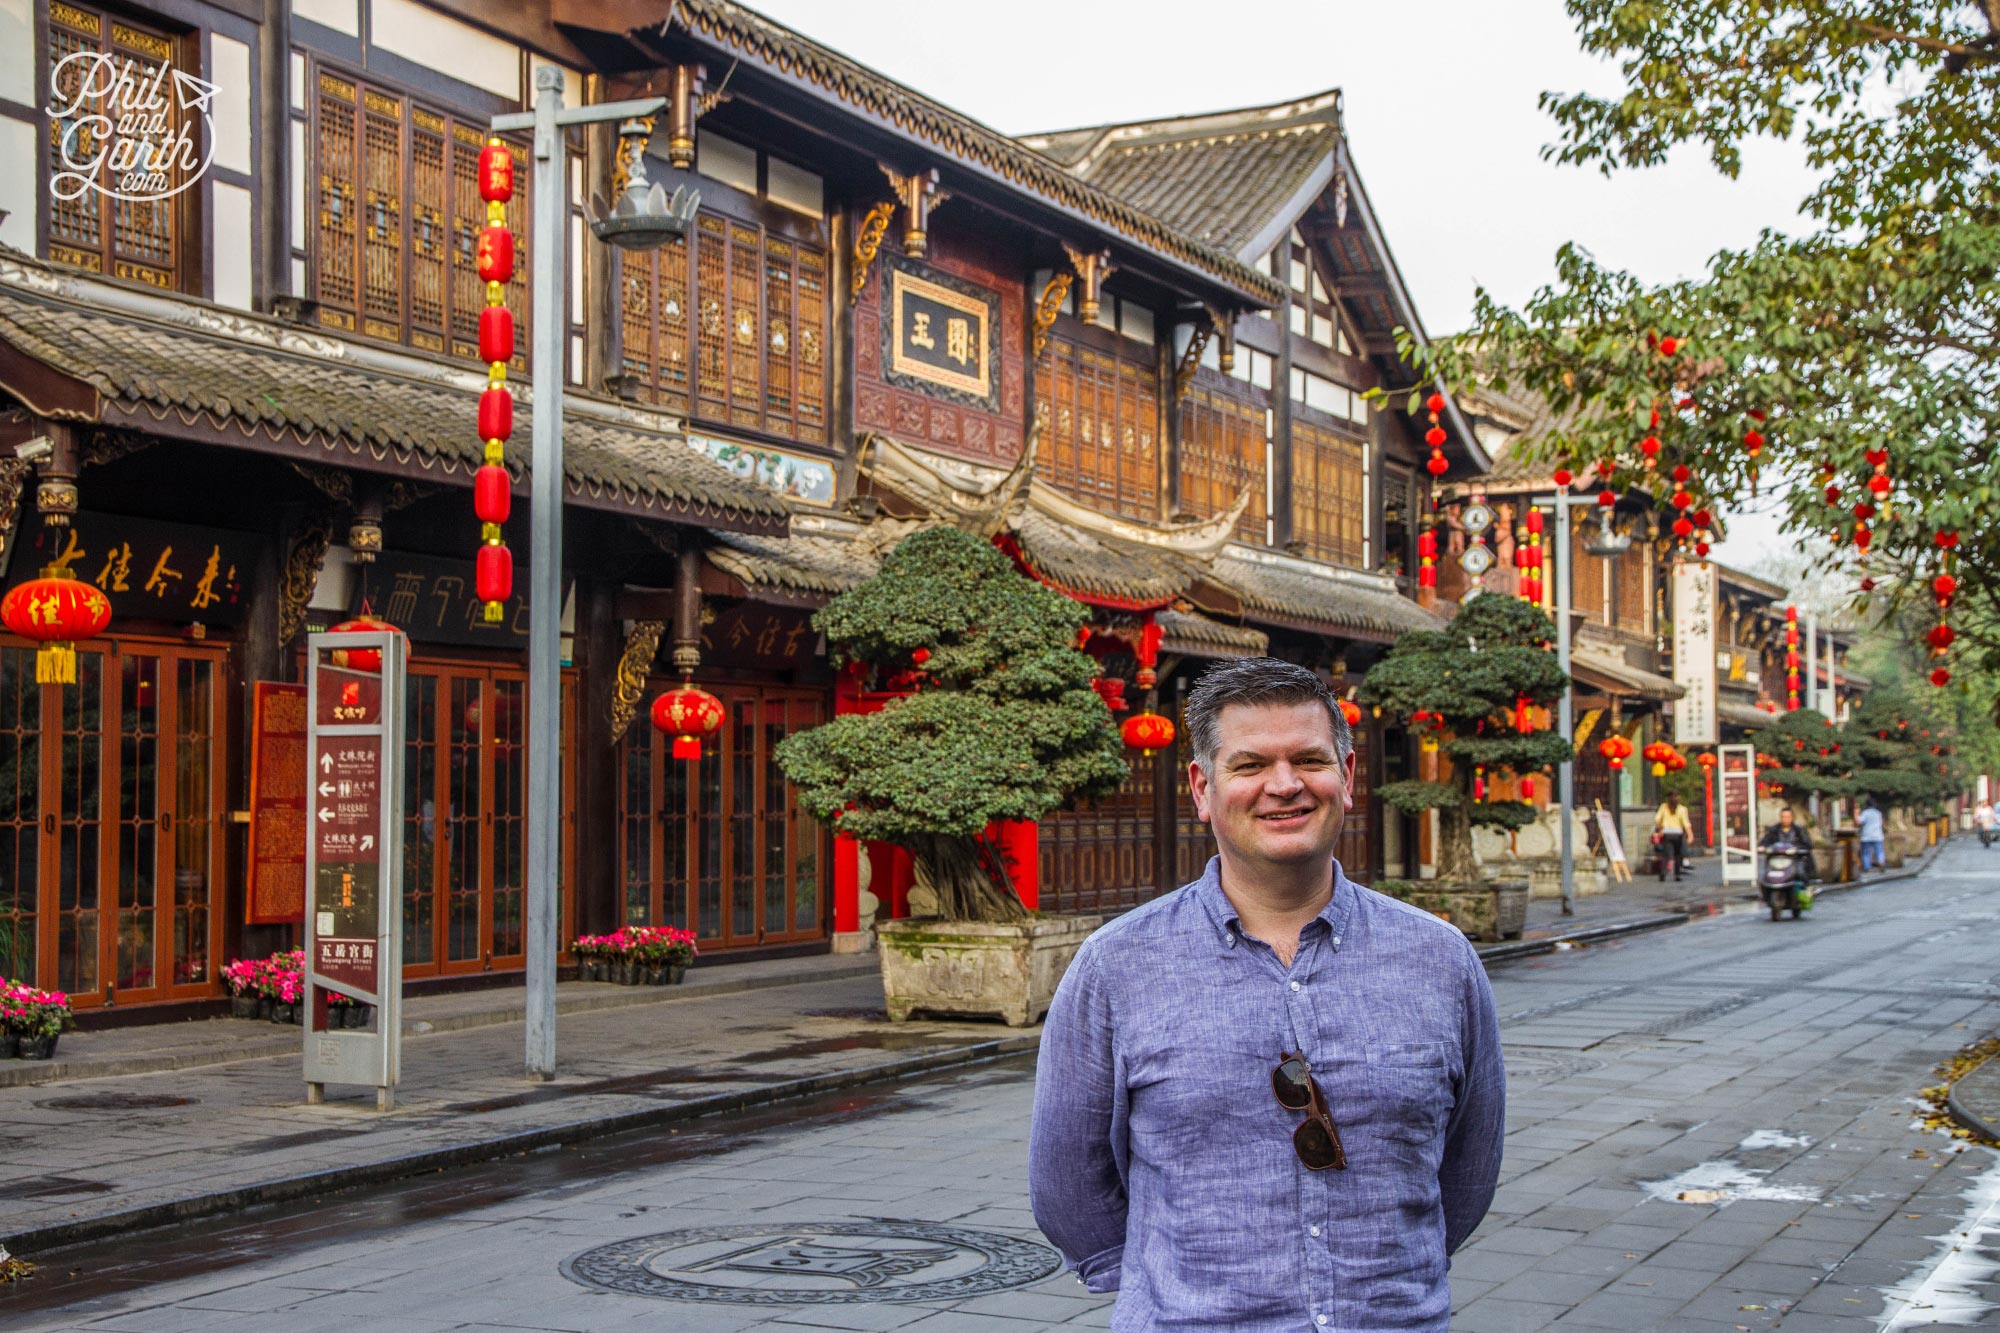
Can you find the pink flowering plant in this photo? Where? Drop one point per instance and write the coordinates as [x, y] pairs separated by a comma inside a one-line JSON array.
[[645, 946], [32, 1012], [280, 978]]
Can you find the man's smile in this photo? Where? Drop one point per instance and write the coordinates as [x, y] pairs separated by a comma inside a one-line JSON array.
[[1287, 818]]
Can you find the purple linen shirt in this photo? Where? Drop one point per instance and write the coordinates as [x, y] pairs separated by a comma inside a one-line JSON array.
[[1161, 1163]]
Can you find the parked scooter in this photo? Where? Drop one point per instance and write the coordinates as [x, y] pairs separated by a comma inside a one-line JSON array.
[[1782, 882]]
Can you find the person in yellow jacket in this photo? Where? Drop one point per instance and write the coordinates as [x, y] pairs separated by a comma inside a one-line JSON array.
[[1673, 825]]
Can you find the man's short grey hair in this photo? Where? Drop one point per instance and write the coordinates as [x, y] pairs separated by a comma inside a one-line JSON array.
[[1254, 681]]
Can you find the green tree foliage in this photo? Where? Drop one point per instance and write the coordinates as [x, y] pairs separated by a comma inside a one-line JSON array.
[[1472, 674], [1894, 763], [1811, 753], [1877, 329], [1004, 723]]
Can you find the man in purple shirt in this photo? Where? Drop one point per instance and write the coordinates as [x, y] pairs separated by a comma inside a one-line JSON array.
[[1272, 1099]]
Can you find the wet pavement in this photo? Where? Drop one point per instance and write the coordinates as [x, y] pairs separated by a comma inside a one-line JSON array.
[[1710, 1128]]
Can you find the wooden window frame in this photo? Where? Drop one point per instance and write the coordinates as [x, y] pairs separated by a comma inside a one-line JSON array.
[[404, 208], [1216, 402], [182, 270], [1328, 522], [1123, 478]]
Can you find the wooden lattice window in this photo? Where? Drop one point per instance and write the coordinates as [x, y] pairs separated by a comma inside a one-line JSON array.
[[1631, 589], [1099, 416], [1586, 573], [136, 240], [397, 227], [1329, 493], [1222, 450], [760, 327]]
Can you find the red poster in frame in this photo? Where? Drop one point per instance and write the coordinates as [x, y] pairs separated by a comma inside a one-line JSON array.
[[277, 881]]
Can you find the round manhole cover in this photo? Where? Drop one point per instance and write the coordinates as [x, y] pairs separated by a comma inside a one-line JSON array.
[[115, 1101], [1540, 1068], [816, 1263]]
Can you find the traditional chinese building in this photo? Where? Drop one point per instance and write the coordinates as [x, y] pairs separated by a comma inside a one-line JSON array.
[[1137, 357]]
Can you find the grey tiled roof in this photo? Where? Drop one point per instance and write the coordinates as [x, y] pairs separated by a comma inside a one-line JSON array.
[[1079, 562], [166, 365], [1220, 178], [1193, 635], [1317, 598]]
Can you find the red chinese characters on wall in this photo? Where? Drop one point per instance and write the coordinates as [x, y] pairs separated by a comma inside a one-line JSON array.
[[940, 421]]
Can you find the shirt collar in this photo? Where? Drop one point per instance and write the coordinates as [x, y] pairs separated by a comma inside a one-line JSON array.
[[1222, 913]]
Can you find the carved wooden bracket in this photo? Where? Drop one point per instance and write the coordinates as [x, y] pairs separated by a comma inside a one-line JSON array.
[[1047, 307], [867, 241], [1093, 269], [13, 476], [635, 664], [1191, 360], [301, 579], [1225, 330], [918, 193]]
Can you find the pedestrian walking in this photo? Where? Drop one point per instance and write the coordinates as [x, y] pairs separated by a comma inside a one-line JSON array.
[[1673, 825], [1273, 1099], [1873, 837], [1982, 816]]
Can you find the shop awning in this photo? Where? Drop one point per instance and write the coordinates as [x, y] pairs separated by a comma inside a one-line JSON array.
[[1604, 669], [1320, 599], [77, 349]]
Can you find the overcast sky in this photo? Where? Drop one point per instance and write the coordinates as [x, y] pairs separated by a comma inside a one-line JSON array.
[[1441, 113]]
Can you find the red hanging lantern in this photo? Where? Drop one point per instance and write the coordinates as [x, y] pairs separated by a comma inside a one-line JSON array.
[[496, 173], [1941, 636], [1707, 761], [496, 334], [496, 412], [687, 714], [1147, 732], [1427, 549], [1947, 540], [494, 256], [1615, 749], [1564, 476], [55, 611], [1668, 346], [492, 494], [1940, 677], [493, 574], [361, 659], [1351, 711], [1943, 586]]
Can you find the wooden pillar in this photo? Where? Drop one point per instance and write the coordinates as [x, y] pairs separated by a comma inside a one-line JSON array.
[[598, 646]]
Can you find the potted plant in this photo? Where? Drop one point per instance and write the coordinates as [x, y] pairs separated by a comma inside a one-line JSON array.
[[995, 720], [661, 954], [12, 1009], [286, 986], [1463, 688], [588, 952], [38, 1019], [240, 975]]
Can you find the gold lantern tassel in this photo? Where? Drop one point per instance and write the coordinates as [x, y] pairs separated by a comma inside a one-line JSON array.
[[55, 664]]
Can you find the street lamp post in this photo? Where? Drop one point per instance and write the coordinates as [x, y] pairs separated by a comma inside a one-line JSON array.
[[544, 813], [1566, 717]]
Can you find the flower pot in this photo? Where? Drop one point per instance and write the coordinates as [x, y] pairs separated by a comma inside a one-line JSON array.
[[263, 1007], [243, 1006], [10, 1045], [280, 1013], [39, 1048], [628, 974], [676, 973]]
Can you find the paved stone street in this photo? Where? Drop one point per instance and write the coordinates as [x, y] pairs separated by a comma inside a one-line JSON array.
[[1710, 1128]]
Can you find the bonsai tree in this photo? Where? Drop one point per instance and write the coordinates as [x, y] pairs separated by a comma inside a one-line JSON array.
[[1894, 765], [1811, 753], [1002, 724], [1468, 680]]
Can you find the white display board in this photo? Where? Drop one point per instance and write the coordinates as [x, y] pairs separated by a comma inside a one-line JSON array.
[[1694, 652], [1736, 794]]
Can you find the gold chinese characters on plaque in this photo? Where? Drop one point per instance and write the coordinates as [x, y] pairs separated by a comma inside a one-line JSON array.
[[941, 336]]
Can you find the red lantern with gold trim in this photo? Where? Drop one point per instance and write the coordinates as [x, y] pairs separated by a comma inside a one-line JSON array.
[[492, 494], [55, 611], [361, 659], [494, 255], [493, 573], [496, 334], [1147, 732], [496, 173], [687, 714]]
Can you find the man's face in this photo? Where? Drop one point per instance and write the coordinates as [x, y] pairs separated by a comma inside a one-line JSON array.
[[1784, 819], [1278, 792]]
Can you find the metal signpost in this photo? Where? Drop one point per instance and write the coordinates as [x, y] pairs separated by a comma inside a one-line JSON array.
[[1738, 779], [354, 861], [547, 270], [1566, 716]]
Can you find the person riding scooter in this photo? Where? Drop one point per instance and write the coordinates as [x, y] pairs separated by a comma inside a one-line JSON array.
[[1787, 873]]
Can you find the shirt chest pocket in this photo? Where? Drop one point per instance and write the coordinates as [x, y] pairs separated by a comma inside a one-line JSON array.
[[1413, 1089]]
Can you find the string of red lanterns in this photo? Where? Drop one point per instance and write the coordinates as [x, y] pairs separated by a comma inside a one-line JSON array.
[[492, 487], [1435, 436], [1944, 587], [1427, 552], [1791, 659], [1528, 559]]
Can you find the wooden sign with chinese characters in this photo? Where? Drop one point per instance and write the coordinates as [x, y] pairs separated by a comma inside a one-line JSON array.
[[1694, 611], [149, 570], [940, 335], [277, 891], [353, 773], [434, 601], [752, 634]]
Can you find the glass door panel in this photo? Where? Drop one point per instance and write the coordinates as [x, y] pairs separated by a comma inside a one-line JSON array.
[[741, 802], [139, 820], [776, 809], [20, 813], [638, 832], [464, 786], [420, 820], [74, 820], [510, 825], [194, 831]]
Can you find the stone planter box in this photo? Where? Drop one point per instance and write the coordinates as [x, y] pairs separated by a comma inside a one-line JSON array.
[[1005, 969], [1485, 912]]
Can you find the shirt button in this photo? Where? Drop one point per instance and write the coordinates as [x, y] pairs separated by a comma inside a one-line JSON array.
[[1315, 1231], [1296, 986], [1320, 1318]]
